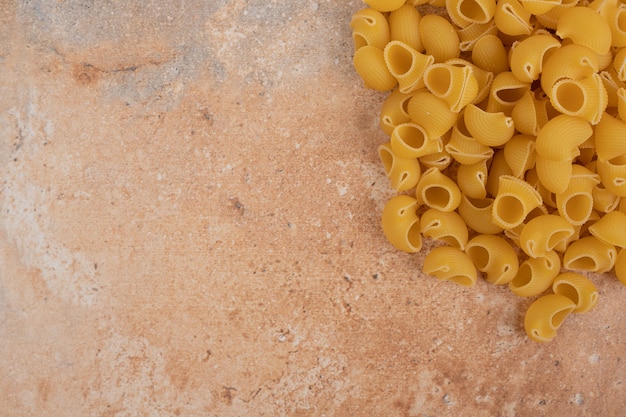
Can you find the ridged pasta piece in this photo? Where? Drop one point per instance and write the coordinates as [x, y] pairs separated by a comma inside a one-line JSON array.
[[514, 200], [539, 6], [560, 137], [554, 175], [620, 266], [369, 27], [584, 229], [440, 160], [472, 179], [528, 55], [577, 288], [604, 201], [513, 233], [489, 54], [450, 264], [610, 137], [431, 112], [464, 148], [547, 196], [483, 77], [497, 169], [403, 173], [404, 26], [586, 98], [369, 63], [530, 114], [494, 256], [611, 84], [545, 316], [512, 19], [543, 233], [439, 38], [490, 129], [410, 140], [519, 154], [535, 275], [477, 215], [466, 12], [457, 86], [506, 91], [447, 227], [393, 111], [470, 34], [576, 202], [611, 229], [385, 5], [596, 35], [569, 61], [401, 224], [615, 15], [438, 191], [613, 175], [551, 17], [407, 65], [589, 254]]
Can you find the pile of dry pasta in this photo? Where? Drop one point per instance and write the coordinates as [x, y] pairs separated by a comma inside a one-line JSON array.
[[507, 141]]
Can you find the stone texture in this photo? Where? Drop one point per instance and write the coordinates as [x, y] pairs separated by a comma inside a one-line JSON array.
[[189, 226]]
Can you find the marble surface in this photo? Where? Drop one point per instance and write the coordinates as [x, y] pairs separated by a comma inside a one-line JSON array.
[[190, 203]]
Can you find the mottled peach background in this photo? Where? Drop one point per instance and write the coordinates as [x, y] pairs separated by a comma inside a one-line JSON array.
[[190, 203]]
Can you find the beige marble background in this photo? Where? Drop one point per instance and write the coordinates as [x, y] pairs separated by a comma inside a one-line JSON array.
[[190, 199]]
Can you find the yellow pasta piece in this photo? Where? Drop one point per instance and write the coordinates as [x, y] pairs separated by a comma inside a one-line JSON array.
[[437, 191], [440, 160], [571, 61], [489, 54], [470, 34], [369, 27], [369, 63], [548, 197], [539, 6], [604, 201], [551, 17], [514, 200], [576, 202], [477, 215], [450, 264], [401, 224], [409, 140], [493, 256], [385, 5], [457, 86], [514, 232], [490, 129], [447, 227], [611, 84], [546, 315], [560, 137], [611, 229], [472, 179], [577, 288], [535, 275], [506, 91], [619, 64], [497, 169], [465, 12], [613, 175], [439, 38], [615, 16], [528, 55], [530, 114], [589, 254], [610, 137], [554, 175], [432, 113], [543, 233], [483, 77], [393, 111], [464, 148], [407, 65], [519, 154], [403, 173], [597, 34], [404, 26], [586, 98], [512, 19], [620, 266]]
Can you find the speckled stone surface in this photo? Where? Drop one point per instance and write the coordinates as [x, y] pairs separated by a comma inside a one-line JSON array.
[[190, 201]]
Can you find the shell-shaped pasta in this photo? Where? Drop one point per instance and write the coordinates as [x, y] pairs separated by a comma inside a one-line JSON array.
[[604, 201], [576, 202], [404, 25], [539, 6], [490, 129], [596, 35], [440, 160], [528, 55], [543, 233], [494, 256], [569, 61], [560, 137], [535, 275], [472, 33], [369, 27], [385, 5], [439, 38], [613, 175], [497, 169], [457, 86], [620, 266], [464, 148], [610, 229], [586, 98], [369, 63], [450, 264], [610, 137], [489, 54], [519, 154], [553, 175], [545, 316], [472, 179], [432, 113], [530, 114], [514, 200], [506, 91], [548, 197], [615, 17], [403, 173], [401, 224], [589, 254], [465, 12], [512, 19], [551, 17], [393, 111], [611, 84], [483, 77], [437, 191], [407, 65], [477, 215], [409, 140], [447, 227], [577, 288]]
